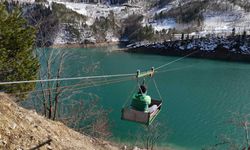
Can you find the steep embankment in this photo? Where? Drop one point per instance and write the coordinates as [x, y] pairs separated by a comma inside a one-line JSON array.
[[24, 129]]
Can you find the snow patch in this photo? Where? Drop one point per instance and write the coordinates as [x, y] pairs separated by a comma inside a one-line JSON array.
[[110, 37], [163, 24], [93, 11]]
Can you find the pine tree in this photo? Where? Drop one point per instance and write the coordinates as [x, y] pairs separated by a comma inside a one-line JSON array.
[[233, 32], [17, 61]]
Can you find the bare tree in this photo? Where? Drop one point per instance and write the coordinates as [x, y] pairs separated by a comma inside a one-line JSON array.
[[53, 67], [86, 116], [235, 142], [57, 100], [151, 135], [225, 142], [242, 121]]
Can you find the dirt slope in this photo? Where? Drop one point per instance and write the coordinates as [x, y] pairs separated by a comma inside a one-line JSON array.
[[22, 129]]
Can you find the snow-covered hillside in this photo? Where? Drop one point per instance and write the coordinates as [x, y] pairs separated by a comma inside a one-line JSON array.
[[93, 11], [226, 21], [218, 17], [105, 22]]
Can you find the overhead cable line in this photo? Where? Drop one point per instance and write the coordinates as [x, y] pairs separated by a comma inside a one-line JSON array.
[[78, 86], [65, 79], [169, 63], [92, 77]]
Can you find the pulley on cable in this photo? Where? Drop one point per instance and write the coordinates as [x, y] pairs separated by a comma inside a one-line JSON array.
[[142, 109]]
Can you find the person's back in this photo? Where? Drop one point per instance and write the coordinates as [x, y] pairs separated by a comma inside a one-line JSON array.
[[141, 100]]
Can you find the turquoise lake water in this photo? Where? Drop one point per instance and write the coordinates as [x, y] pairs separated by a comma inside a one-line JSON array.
[[199, 95]]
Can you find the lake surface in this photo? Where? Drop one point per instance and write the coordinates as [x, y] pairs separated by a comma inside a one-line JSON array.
[[199, 95]]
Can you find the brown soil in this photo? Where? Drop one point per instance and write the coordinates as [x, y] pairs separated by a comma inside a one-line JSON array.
[[22, 129]]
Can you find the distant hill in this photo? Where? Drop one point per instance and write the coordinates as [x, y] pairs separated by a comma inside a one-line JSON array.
[[104, 21]]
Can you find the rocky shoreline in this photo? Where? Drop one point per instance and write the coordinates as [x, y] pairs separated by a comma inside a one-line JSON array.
[[227, 49], [218, 48], [78, 45], [114, 46]]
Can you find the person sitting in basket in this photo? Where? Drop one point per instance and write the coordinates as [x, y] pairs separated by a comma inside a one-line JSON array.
[[141, 101]]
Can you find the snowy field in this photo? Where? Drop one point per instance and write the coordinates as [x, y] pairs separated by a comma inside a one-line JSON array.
[[93, 11], [215, 22]]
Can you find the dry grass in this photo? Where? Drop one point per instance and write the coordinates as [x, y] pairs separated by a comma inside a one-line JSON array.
[[25, 129]]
